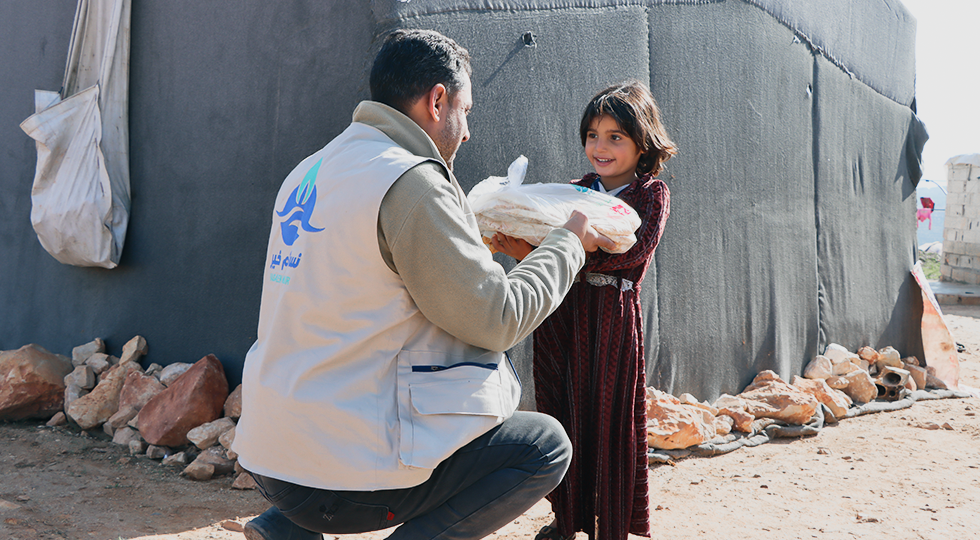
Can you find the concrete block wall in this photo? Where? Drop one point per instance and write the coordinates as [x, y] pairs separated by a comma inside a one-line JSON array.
[[961, 234]]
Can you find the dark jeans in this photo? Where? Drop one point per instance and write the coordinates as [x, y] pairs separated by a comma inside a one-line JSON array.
[[480, 488]]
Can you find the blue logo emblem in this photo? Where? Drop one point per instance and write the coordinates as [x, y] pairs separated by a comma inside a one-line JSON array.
[[302, 199]]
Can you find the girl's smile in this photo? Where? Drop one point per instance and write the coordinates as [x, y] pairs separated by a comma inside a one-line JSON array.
[[612, 152]]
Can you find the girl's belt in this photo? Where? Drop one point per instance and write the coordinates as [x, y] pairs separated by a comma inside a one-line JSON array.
[[601, 280]]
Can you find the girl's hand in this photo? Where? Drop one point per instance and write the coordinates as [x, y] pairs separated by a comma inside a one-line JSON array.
[[517, 248]]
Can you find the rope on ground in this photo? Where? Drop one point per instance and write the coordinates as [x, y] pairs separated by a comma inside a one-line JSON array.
[[766, 429]]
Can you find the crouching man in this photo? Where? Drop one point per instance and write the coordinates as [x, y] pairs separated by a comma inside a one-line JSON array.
[[377, 393]]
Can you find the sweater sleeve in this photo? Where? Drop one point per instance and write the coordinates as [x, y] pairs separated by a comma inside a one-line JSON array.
[[428, 235]]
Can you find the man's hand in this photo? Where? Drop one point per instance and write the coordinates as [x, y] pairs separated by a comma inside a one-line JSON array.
[[517, 248], [591, 240]]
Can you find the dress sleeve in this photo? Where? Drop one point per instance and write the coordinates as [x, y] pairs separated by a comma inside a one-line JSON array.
[[652, 202], [437, 251]]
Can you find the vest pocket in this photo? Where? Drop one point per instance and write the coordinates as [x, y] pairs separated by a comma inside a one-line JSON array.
[[443, 407]]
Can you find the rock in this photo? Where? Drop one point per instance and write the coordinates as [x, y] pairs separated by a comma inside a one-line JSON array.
[[206, 435], [82, 376], [889, 357], [195, 398], [137, 446], [724, 424], [688, 399], [932, 381], [208, 464], [216, 457], [233, 405], [868, 354], [726, 401], [72, 393], [154, 369], [819, 368], [81, 353], [122, 417], [108, 429], [836, 353], [860, 386], [59, 419], [232, 525], [671, 424], [156, 452], [94, 408], [139, 389], [770, 397], [836, 401], [844, 368], [173, 372], [135, 422], [244, 481], [133, 350], [124, 435], [741, 420], [227, 438], [837, 383], [32, 383], [911, 360], [180, 458], [198, 471], [918, 374], [99, 362]]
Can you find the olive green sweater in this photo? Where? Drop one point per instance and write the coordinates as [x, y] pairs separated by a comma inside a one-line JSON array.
[[428, 235]]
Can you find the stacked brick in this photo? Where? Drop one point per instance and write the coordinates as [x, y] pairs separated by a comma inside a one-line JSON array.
[[961, 235]]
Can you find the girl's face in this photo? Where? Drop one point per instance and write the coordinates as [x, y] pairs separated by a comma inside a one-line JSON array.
[[612, 153]]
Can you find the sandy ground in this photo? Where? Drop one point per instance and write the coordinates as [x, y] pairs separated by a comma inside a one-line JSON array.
[[887, 475]]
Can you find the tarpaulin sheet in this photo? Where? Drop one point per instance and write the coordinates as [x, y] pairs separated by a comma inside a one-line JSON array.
[[865, 215], [736, 270], [770, 250]]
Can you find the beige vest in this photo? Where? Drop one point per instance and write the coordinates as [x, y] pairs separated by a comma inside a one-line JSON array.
[[349, 386]]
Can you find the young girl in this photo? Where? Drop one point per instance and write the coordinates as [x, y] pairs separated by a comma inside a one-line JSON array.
[[588, 356]]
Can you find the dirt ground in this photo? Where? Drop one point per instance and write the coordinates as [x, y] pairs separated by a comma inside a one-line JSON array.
[[910, 474]]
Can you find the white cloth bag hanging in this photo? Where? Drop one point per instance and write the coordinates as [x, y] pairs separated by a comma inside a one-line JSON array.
[[80, 199]]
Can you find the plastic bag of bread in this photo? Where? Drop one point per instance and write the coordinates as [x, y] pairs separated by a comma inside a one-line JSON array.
[[531, 211]]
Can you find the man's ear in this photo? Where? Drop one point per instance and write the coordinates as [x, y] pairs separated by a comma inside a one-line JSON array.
[[437, 99]]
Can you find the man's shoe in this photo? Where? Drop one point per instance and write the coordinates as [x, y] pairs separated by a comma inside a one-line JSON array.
[[272, 525]]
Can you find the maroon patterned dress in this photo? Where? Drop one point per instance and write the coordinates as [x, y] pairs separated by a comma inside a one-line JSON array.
[[589, 374]]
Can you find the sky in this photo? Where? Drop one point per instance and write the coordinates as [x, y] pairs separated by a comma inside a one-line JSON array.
[[947, 82]]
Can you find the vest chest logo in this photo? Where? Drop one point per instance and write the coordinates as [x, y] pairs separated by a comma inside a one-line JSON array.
[[303, 201]]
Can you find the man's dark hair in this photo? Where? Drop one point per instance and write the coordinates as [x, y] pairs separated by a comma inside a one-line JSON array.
[[411, 62]]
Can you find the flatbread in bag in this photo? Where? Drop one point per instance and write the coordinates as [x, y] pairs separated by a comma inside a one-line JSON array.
[[531, 211]]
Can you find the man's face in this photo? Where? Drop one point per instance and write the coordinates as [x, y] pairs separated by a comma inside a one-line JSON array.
[[453, 129]]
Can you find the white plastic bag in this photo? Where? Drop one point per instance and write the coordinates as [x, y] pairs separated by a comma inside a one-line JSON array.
[[80, 200], [531, 211]]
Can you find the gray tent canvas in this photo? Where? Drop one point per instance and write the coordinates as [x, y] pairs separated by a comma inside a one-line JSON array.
[[793, 203]]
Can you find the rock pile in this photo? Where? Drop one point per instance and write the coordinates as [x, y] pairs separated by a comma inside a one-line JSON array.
[[182, 414], [837, 379]]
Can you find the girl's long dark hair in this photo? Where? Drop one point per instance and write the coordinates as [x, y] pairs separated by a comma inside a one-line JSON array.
[[632, 106]]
